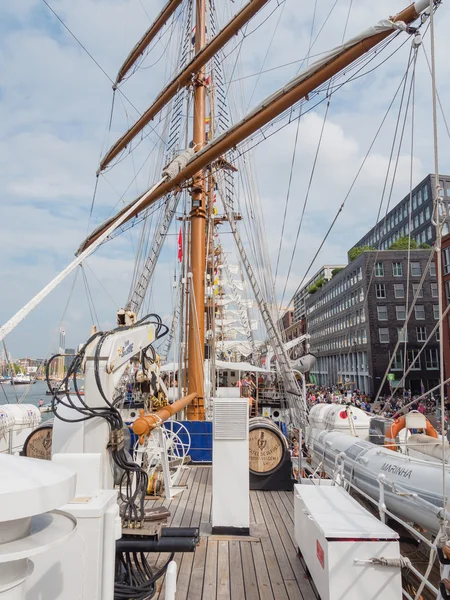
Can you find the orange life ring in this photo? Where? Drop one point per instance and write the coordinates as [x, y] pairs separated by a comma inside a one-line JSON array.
[[398, 425]]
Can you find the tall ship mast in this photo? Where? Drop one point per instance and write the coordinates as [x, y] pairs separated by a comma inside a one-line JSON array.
[[120, 447]]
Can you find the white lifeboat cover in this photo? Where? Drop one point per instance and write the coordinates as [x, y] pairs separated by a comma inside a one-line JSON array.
[[339, 417]]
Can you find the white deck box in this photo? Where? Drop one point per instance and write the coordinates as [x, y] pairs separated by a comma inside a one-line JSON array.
[[337, 537]]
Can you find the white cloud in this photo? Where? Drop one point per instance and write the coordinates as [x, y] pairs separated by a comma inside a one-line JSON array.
[[54, 109]]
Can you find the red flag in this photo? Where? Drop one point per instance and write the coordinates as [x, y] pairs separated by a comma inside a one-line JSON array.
[[180, 246]]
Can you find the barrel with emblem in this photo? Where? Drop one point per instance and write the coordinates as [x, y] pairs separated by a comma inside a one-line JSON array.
[[268, 446], [39, 443]]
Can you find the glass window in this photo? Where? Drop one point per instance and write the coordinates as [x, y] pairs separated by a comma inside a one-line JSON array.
[[434, 290], [399, 290], [364, 336], [421, 217], [382, 313], [402, 334], [380, 290], [416, 221], [429, 233], [397, 269], [405, 210], [397, 363], [400, 312], [446, 255], [425, 193], [414, 202], [417, 288], [414, 360], [384, 335], [427, 213], [432, 358], [379, 269], [416, 271], [432, 269], [421, 334], [419, 197], [419, 310], [436, 311]]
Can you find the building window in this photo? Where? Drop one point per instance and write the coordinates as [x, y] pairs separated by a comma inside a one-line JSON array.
[[400, 312], [379, 269], [414, 202], [421, 334], [417, 289], [397, 363], [432, 358], [382, 313], [436, 311], [446, 255], [364, 336], [413, 357], [432, 269], [425, 193], [397, 269], [427, 213], [421, 217], [416, 271], [434, 290], [380, 290], [402, 334], [384, 335], [419, 310], [438, 335], [399, 290]]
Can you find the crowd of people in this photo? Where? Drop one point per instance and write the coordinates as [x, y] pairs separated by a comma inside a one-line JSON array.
[[387, 405]]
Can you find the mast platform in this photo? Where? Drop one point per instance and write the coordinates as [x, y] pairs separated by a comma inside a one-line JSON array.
[[262, 566]]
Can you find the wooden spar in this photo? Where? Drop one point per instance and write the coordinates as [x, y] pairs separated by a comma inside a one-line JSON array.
[[196, 333], [266, 112], [145, 423], [184, 78], [147, 38]]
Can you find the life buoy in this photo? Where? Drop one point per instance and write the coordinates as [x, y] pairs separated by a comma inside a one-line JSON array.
[[398, 425]]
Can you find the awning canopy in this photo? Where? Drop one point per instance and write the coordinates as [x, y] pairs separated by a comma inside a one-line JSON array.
[[222, 365]]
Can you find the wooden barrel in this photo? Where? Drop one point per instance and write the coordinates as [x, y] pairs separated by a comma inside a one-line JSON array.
[[39, 443], [267, 446]]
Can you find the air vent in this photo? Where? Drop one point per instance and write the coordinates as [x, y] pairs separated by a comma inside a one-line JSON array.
[[230, 419]]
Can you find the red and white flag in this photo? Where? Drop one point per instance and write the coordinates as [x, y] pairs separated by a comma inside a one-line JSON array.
[[180, 246]]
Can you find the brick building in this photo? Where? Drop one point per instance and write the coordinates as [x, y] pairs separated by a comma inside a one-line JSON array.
[[396, 223], [356, 319]]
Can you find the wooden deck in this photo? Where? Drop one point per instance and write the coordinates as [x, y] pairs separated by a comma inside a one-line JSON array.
[[263, 566]]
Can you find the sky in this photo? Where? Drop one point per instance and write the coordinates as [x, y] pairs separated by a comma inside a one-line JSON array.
[[55, 106]]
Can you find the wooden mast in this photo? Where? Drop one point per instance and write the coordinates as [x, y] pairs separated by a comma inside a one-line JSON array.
[[273, 106], [184, 77], [196, 334]]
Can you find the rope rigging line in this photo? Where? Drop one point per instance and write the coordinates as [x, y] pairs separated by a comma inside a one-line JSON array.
[[294, 153], [440, 214], [90, 300], [66, 27], [342, 205], [313, 171]]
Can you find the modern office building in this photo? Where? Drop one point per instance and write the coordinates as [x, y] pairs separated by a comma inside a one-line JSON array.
[[356, 319], [396, 223], [325, 273]]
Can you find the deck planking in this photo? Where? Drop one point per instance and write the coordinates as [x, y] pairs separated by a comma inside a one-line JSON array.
[[264, 566]]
